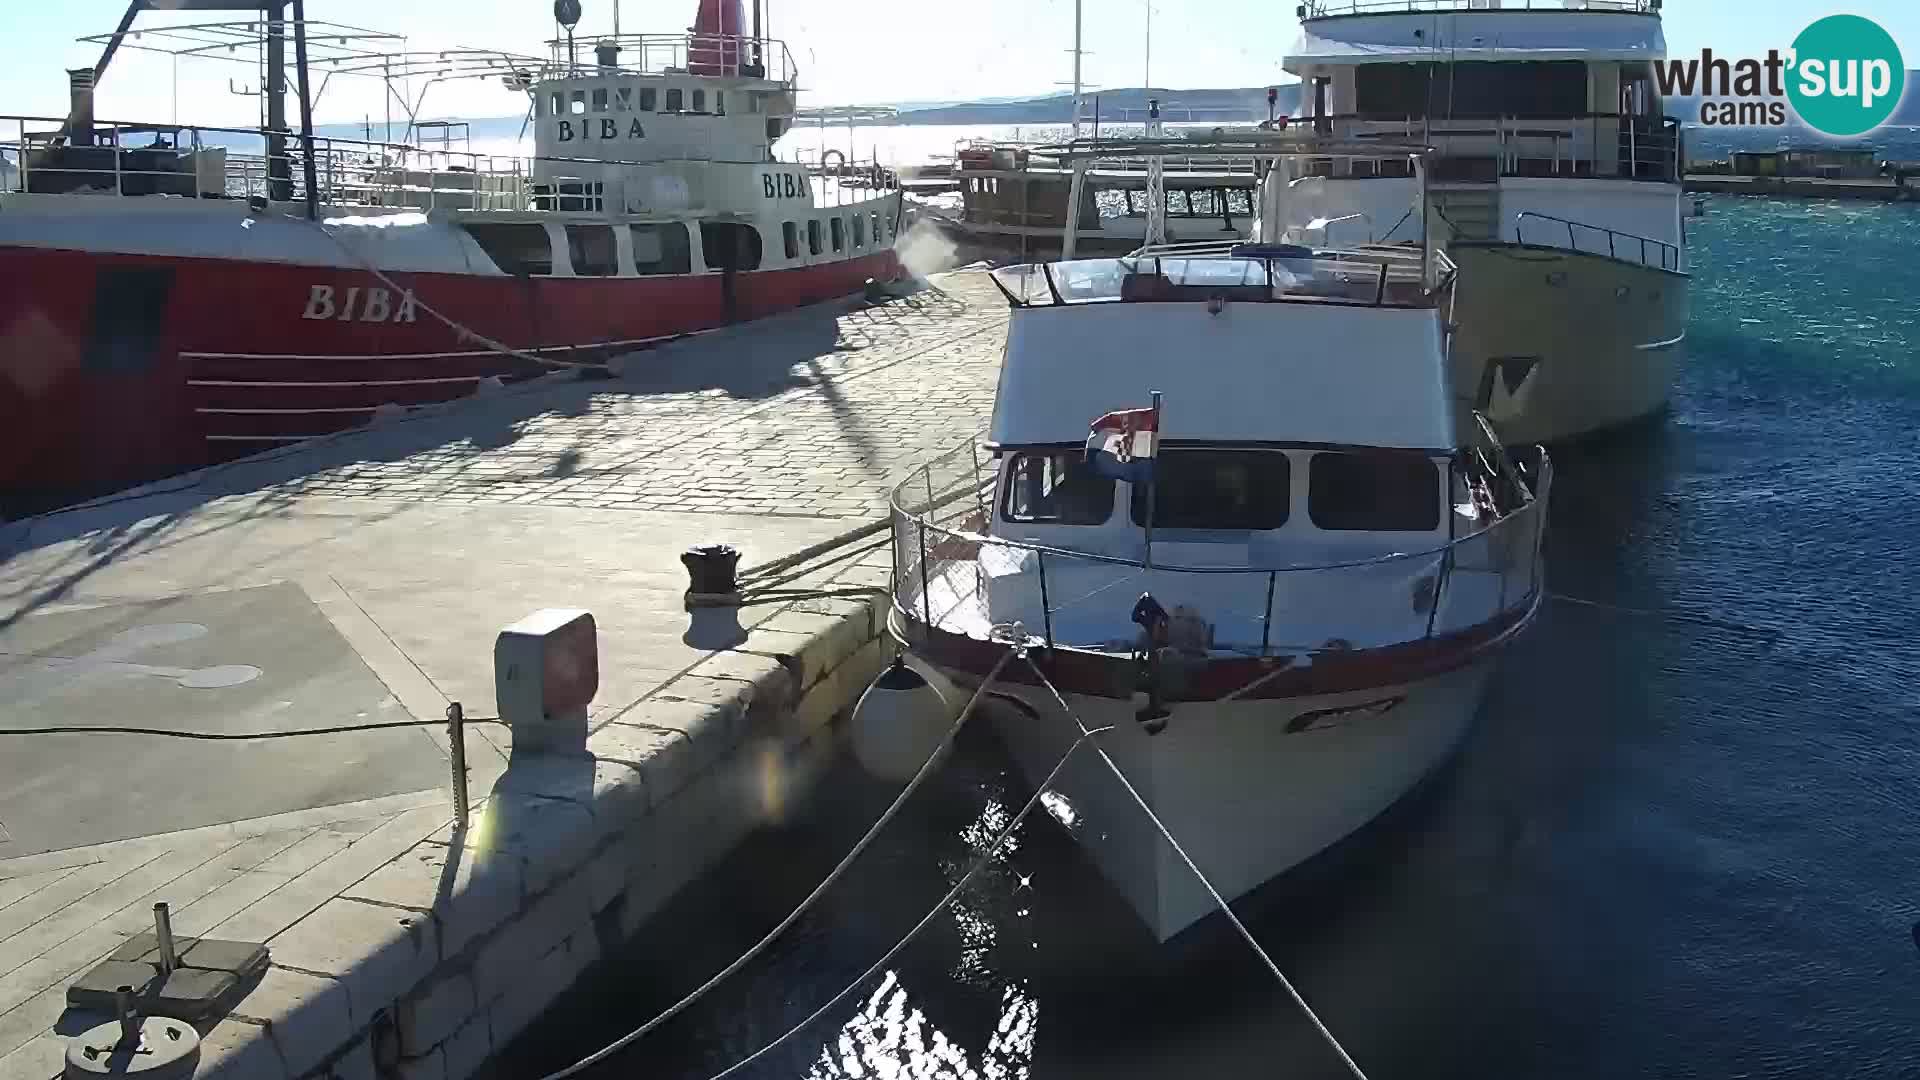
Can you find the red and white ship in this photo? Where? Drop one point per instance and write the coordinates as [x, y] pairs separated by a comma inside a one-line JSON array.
[[176, 296]]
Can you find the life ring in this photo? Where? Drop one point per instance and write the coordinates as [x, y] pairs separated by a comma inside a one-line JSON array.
[[839, 162]]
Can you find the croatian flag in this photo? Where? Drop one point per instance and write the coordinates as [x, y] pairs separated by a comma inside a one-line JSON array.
[[1122, 444]]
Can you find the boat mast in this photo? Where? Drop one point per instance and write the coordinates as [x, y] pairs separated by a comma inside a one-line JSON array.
[[1077, 89], [306, 109]]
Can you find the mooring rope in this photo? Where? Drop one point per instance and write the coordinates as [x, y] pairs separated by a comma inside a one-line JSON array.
[[926, 769]]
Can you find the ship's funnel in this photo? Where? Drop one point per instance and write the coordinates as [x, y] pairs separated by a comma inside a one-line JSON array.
[[80, 107], [717, 29]]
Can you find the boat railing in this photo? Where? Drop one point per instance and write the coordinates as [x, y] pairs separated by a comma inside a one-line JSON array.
[[1320, 9], [1626, 246], [734, 56], [1470, 148], [950, 574], [131, 159], [1237, 271]]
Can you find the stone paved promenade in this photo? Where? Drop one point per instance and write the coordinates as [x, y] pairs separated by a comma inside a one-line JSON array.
[[363, 579]]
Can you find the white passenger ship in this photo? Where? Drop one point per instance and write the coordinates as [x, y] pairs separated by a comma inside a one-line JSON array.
[[1556, 176], [1336, 557]]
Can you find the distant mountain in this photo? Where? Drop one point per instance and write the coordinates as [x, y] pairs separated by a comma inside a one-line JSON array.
[[1240, 105]]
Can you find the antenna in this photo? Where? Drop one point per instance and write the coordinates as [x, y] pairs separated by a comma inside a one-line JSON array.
[[567, 14]]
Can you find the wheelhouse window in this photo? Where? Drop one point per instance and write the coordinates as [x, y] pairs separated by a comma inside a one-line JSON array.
[[521, 249], [1056, 487], [699, 101], [661, 249], [559, 104], [839, 230], [719, 103], [730, 245], [674, 97], [1217, 489], [859, 231], [592, 250], [875, 218], [649, 99], [600, 99], [577, 103], [813, 237], [790, 232], [1556, 88], [1376, 491], [623, 99]]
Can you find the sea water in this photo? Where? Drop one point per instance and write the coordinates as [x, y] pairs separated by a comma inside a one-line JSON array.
[[1683, 840]]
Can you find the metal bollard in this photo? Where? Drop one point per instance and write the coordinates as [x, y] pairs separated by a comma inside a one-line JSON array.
[[129, 1023], [163, 932], [457, 742]]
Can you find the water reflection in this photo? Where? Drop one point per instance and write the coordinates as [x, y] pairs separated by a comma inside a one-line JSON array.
[[890, 1038]]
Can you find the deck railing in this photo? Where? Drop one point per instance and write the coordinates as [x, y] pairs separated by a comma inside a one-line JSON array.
[[721, 55], [1237, 271], [242, 163], [1626, 246], [1467, 147], [950, 575], [1320, 9]]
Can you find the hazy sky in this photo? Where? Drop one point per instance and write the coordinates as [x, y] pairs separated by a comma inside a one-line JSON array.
[[848, 51]]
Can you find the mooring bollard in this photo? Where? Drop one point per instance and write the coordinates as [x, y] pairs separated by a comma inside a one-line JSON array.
[[457, 743], [163, 933]]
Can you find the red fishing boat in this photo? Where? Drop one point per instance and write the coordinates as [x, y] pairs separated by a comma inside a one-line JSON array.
[[176, 296]]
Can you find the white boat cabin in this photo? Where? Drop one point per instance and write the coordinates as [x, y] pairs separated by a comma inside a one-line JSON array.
[[1311, 472], [1538, 116]]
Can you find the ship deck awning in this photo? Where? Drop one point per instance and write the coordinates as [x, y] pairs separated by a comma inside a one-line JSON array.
[[1594, 37]]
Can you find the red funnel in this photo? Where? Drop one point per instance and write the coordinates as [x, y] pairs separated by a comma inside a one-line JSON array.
[[715, 47]]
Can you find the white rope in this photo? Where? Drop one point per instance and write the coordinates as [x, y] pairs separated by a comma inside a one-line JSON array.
[[1325, 1033], [926, 769], [886, 958], [462, 332]]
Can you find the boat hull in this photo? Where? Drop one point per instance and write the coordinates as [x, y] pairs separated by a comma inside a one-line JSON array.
[[1555, 344], [1252, 789], [117, 368]]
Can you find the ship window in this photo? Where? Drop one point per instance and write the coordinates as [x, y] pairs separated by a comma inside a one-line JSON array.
[[813, 237], [859, 231], [730, 245], [1472, 88], [591, 248], [559, 104], [839, 230], [875, 218], [600, 99], [577, 104], [623, 99], [1380, 491], [699, 101], [520, 248], [1058, 488], [791, 233], [673, 99], [661, 249], [649, 99], [720, 103], [754, 101], [1217, 489]]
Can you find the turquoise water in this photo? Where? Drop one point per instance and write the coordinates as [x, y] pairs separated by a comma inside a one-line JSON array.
[[1683, 841]]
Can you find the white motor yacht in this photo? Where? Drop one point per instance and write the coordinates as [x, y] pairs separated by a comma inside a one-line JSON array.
[[1284, 590]]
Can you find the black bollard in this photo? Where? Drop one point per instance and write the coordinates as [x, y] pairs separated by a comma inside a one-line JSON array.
[[711, 580]]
